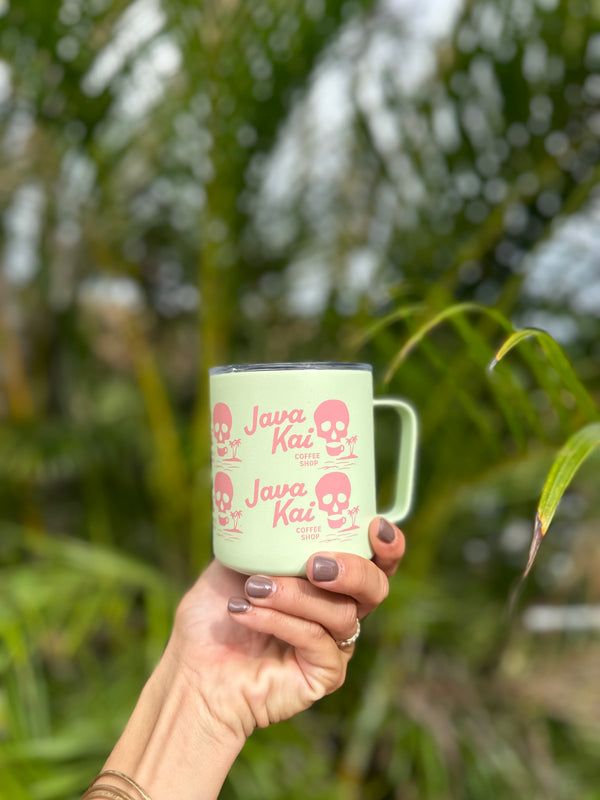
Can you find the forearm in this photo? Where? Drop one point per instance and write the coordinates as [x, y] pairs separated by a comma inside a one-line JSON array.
[[172, 746]]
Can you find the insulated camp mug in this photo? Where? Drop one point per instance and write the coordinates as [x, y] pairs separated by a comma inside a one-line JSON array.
[[293, 463]]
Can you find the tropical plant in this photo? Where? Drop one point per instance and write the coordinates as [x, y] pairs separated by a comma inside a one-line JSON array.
[[184, 184], [576, 450]]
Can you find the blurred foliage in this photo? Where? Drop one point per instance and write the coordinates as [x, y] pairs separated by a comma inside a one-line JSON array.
[[184, 184]]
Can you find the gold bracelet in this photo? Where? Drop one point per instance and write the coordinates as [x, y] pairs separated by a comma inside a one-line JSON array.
[[104, 792], [125, 778], [95, 790]]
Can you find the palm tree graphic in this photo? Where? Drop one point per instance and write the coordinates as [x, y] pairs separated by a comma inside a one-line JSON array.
[[235, 443], [351, 442]]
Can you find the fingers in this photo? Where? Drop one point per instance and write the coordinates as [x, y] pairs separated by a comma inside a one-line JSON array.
[[350, 575], [388, 544], [323, 664], [334, 612], [364, 581], [341, 587]]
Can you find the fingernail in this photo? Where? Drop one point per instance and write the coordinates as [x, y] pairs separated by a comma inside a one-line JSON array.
[[237, 605], [325, 569], [259, 586], [386, 532]]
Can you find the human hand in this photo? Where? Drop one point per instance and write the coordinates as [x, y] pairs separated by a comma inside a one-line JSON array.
[[258, 650], [245, 652]]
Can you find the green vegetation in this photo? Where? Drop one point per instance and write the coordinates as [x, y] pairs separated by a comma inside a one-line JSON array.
[[184, 184]]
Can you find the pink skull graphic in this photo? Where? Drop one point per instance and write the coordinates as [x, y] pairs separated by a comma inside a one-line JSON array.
[[223, 496], [331, 419], [333, 493], [222, 422]]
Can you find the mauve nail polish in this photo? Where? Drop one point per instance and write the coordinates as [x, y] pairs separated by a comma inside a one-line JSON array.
[[259, 586], [386, 533], [237, 605], [325, 569]]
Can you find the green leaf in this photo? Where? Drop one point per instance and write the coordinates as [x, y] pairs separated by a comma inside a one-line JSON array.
[[12, 785], [512, 400], [571, 456], [442, 316], [402, 312], [449, 386], [559, 361]]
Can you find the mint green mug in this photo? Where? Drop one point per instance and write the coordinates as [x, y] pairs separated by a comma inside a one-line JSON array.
[[293, 463]]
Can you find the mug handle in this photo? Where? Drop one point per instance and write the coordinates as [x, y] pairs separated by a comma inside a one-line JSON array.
[[405, 465]]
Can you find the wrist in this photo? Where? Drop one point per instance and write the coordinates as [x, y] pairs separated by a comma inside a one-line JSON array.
[[173, 745]]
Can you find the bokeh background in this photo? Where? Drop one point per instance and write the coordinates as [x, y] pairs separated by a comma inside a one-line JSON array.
[[188, 183]]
